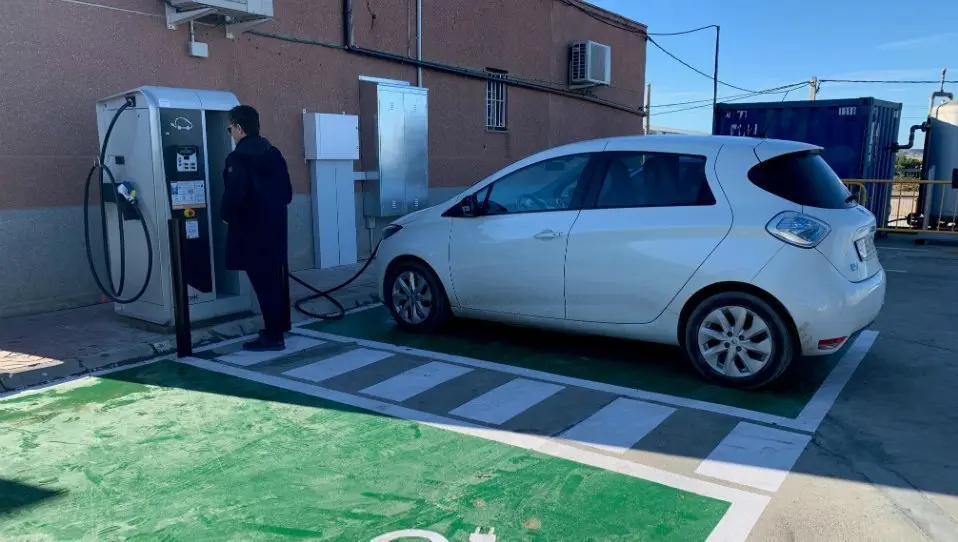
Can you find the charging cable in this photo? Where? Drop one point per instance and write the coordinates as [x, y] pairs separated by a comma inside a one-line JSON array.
[[327, 294], [127, 191]]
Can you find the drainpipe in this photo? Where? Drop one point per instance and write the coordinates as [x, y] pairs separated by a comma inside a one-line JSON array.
[[419, 41], [347, 24], [648, 108]]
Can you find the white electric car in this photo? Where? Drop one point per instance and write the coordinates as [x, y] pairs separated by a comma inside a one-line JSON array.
[[746, 252]]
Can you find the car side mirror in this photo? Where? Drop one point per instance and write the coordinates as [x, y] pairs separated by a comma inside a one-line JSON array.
[[469, 206]]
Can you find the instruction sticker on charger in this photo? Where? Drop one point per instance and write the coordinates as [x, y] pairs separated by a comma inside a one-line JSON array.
[[188, 194], [192, 229]]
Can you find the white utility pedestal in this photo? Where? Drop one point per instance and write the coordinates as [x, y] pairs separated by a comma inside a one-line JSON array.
[[332, 145]]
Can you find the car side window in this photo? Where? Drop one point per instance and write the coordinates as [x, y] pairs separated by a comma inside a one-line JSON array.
[[647, 179], [549, 185]]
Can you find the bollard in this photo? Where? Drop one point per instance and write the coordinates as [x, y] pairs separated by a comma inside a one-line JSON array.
[[181, 297]]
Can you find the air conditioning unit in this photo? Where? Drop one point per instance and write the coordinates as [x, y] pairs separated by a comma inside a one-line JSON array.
[[241, 8], [237, 15], [590, 64]]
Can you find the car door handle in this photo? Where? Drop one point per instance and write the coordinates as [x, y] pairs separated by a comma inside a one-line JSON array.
[[547, 234]]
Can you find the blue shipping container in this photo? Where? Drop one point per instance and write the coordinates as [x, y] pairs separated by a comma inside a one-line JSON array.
[[858, 135]]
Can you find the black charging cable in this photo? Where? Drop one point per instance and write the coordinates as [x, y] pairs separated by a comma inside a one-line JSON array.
[[130, 205], [327, 294]]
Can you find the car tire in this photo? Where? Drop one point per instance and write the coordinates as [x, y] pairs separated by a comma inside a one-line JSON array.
[[423, 314], [738, 340]]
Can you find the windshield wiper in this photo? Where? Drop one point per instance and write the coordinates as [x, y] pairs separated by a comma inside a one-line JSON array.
[[851, 198]]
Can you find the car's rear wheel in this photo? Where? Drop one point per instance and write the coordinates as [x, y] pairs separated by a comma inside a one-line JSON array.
[[415, 297], [738, 340]]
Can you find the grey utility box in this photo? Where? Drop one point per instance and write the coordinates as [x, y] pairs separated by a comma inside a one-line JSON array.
[[394, 145]]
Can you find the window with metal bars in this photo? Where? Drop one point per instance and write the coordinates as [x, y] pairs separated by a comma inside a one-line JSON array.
[[496, 102]]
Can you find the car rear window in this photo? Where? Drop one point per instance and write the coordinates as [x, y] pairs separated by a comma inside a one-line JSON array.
[[803, 178]]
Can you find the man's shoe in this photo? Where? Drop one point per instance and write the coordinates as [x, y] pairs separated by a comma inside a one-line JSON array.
[[262, 344]]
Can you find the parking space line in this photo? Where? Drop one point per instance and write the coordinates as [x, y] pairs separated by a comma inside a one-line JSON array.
[[619, 425], [738, 522], [417, 380], [808, 420], [822, 401], [559, 379], [755, 456], [245, 359], [338, 365], [501, 404]]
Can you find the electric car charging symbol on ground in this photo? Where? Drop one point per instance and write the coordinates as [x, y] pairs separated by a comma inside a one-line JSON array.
[[431, 536], [745, 252]]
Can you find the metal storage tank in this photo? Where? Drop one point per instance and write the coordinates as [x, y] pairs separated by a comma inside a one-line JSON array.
[[858, 134], [941, 161]]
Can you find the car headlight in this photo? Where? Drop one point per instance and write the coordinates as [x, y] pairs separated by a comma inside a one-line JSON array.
[[391, 230], [798, 229]]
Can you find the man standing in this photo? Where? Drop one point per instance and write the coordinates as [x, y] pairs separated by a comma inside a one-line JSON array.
[[254, 204]]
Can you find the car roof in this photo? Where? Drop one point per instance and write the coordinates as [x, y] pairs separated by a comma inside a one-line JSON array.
[[683, 143]]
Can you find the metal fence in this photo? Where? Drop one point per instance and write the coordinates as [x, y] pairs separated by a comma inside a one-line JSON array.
[[909, 206]]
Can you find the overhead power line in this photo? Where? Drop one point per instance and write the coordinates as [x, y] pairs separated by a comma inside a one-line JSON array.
[[648, 36], [768, 92], [681, 32], [789, 87], [693, 68], [889, 81]]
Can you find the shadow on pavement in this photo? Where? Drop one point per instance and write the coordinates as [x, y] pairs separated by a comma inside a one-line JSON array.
[[15, 496]]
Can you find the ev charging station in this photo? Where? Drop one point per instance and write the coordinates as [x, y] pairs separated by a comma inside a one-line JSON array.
[[168, 147]]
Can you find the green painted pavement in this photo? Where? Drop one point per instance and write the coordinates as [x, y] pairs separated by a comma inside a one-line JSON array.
[[644, 366], [170, 452]]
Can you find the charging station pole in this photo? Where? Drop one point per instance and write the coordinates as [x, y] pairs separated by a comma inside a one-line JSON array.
[[181, 297]]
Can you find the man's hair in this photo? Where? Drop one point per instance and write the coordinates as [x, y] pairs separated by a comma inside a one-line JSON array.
[[247, 118]]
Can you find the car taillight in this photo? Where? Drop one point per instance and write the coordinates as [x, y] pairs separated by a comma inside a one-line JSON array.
[[831, 344], [798, 229]]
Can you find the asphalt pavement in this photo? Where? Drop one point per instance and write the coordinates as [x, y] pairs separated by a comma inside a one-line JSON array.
[[488, 432]]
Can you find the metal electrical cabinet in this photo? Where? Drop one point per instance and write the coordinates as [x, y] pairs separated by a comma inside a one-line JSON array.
[[394, 143], [858, 134]]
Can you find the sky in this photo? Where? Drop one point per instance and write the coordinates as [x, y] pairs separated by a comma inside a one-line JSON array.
[[770, 43]]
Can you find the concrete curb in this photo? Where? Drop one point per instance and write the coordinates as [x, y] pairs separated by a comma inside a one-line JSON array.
[[54, 370]]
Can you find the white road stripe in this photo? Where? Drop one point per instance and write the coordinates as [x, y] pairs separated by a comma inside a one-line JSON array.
[[415, 381], [823, 399], [737, 523], [808, 420], [338, 365], [619, 425], [507, 401], [294, 343], [755, 456]]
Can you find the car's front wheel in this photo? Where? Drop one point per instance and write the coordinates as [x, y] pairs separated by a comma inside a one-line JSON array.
[[738, 340], [415, 297]]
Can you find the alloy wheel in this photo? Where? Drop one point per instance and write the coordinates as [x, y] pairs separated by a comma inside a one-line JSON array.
[[735, 342], [412, 297]]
